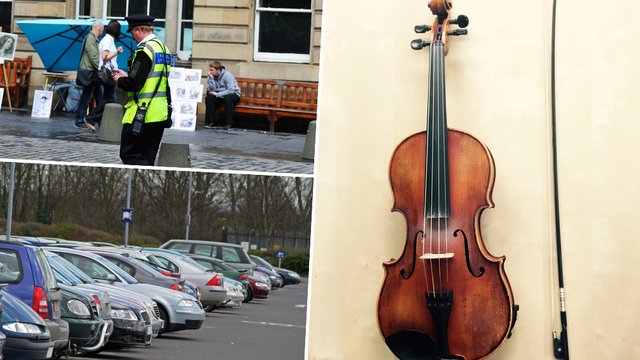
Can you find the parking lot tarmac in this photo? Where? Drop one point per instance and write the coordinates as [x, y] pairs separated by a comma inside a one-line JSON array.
[[269, 329], [55, 139]]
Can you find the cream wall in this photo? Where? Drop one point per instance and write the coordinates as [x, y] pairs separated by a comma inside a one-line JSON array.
[[372, 95]]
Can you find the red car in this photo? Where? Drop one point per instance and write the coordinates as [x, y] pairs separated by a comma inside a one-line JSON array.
[[259, 287]]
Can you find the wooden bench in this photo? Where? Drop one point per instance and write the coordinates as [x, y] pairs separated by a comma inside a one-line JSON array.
[[275, 99]]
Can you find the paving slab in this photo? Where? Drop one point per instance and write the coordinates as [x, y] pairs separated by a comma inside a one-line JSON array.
[[55, 139]]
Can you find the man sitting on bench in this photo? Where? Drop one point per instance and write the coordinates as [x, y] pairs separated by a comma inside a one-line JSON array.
[[222, 87]]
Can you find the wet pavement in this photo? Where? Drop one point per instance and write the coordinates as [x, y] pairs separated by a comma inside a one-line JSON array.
[[236, 150]]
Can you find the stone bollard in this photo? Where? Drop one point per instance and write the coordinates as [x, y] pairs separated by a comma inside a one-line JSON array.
[[111, 124], [174, 155], [310, 142]]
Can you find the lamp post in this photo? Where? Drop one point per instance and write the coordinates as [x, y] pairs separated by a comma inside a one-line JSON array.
[[12, 180], [127, 212], [188, 215]]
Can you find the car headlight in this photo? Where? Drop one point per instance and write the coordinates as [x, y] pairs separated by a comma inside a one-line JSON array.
[[124, 314], [23, 328], [294, 275], [262, 285], [78, 308], [186, 305]]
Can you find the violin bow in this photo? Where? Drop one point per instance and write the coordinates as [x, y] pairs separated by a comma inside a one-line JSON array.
[[561, 343]]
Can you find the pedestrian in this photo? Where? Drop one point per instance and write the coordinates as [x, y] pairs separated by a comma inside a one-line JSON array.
[[147, 111], [90, 60], [108, 57], [222, 88]]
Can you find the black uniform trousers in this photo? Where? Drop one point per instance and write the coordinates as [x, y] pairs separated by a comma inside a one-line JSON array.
[[141, 149]]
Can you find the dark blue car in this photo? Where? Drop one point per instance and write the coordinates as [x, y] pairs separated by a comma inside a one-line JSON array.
[[27, 335], [26, 272], [2, 337]]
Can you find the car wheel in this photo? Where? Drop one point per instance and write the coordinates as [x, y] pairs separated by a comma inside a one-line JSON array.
[[249, 296], [165, 317], [209, 308]]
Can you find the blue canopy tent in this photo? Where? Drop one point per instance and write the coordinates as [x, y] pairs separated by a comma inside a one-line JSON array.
[[58, 42]]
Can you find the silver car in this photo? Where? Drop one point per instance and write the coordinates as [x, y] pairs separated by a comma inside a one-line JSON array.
[[233, 254], [211, 283], [180, 311]]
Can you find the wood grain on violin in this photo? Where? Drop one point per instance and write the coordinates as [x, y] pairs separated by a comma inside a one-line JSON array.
[[446, 297]]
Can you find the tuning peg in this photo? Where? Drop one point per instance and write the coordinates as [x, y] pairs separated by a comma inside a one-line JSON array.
[[458, 32], [419, 44], [421, 28], [462, 21]]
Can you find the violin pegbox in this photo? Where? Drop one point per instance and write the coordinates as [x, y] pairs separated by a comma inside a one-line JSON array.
[[440, 23]]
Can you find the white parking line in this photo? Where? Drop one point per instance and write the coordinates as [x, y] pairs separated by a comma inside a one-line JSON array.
[[273, 324]]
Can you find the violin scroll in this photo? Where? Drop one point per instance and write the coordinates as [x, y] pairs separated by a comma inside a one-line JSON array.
[[440, 7]]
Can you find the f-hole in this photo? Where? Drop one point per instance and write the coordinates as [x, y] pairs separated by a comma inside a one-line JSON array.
[[403, 272], [466, 255]]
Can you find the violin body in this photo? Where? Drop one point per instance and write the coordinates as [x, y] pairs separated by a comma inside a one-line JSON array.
[[480, 301], [446, 297]]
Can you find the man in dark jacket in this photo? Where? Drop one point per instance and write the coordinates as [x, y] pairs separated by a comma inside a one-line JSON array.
[[222, 88], [89, 60]]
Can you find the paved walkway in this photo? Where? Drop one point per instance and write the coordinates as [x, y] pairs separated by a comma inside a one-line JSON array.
[[55, 139]]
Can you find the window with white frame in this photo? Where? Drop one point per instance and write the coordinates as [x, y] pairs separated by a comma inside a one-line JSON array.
[[283, 31]]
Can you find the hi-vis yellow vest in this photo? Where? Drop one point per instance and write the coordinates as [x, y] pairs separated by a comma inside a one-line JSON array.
[[156, 107]]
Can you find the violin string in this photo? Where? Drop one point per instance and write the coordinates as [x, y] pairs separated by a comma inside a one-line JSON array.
[[439, 158], [444, 175], [428, 168]]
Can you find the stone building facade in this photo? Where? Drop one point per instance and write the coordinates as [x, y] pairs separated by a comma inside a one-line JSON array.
[[267, 39]]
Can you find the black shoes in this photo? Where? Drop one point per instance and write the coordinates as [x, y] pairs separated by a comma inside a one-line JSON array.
[[212, 126]]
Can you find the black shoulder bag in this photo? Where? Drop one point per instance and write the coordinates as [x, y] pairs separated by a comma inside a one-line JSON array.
[[85, 77]]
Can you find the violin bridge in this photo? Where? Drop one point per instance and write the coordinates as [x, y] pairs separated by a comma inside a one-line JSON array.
[[431, 256]]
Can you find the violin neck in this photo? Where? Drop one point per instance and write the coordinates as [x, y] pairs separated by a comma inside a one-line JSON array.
[[437, 173]]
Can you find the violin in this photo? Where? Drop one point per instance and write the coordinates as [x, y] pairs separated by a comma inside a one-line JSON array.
[[446, 297]]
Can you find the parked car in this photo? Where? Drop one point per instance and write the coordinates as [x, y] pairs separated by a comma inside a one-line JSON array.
[[219, 266], [263, 265], [88, 331], [140, 271], [3, 338], [179, 311], [289, 277], [27, 335], [151, 261], [274, 278], [133, 323], [259, 286], [232, 254], [26, 272], [211, 283], [235, 293]]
